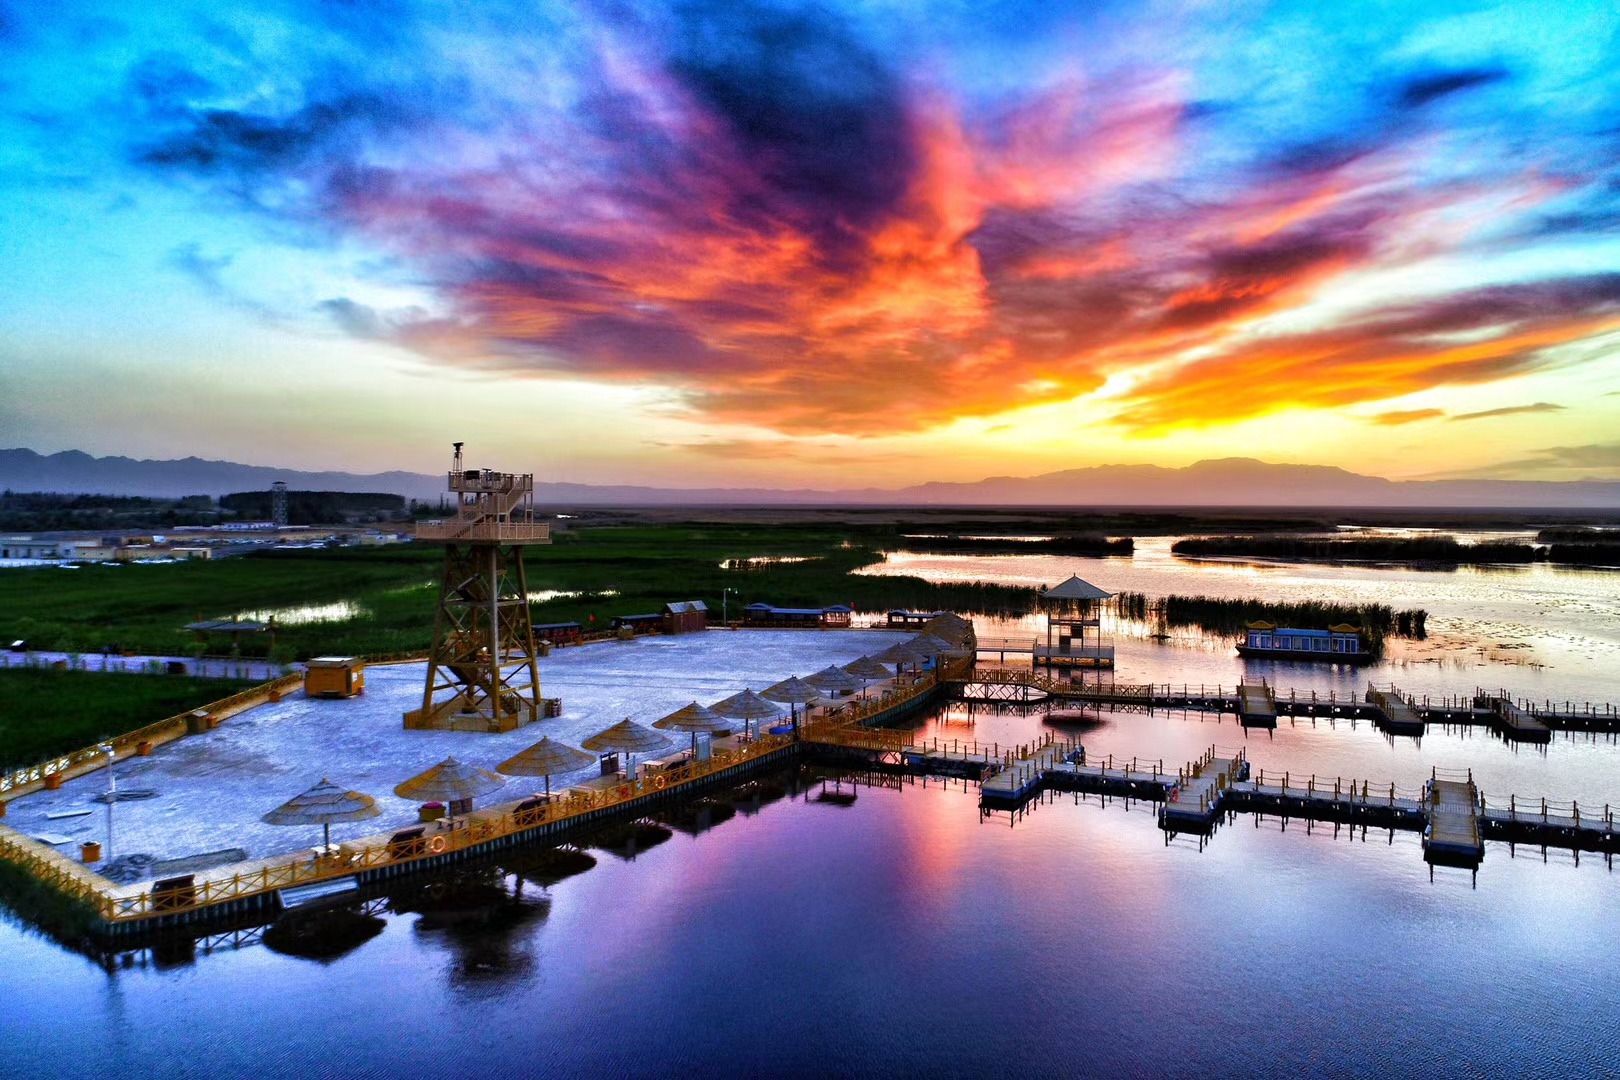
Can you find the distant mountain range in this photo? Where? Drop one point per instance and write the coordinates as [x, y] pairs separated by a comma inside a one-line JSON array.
[[1226, 482]]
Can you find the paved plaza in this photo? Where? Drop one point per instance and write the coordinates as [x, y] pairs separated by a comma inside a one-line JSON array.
[[211, 789]]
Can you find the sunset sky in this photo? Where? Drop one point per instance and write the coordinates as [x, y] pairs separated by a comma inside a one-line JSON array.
[[814, 244]]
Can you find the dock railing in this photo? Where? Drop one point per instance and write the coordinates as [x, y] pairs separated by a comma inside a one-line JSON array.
[[479, 827]]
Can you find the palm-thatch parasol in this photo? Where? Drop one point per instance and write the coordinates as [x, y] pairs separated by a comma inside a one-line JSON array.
[[747, 706], [321, 805], [629, 737], [693, 718], [545, 758], [917, 649], [792, 691], [867, 670], [901, 652], [833, 680], [450, 782]]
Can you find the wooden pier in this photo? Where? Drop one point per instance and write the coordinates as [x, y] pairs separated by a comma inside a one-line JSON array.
[[1395, 712], [1388, 708], [1257, 706], [1451, 834], [1516, 721]]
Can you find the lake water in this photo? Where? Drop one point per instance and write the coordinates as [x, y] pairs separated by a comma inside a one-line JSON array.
[[1539, 630], [907, 935]]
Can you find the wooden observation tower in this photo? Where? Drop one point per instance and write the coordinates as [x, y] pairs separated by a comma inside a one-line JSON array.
[[481, 673]]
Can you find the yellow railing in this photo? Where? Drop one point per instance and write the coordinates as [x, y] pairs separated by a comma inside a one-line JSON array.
[[478, 828], [156, 733]]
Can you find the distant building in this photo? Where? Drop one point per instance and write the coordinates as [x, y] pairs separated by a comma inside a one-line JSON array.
[[907, 620], [1340, 644], [823, 618], [28, 547], [559, 633], [685, 616], [638, 624]]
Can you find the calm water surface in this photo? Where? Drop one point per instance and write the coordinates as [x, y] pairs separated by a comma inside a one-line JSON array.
[[1540, 631], [903, 935]]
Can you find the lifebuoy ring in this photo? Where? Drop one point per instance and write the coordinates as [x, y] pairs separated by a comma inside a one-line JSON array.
[[436, 844], [624, 791], [660, 781]]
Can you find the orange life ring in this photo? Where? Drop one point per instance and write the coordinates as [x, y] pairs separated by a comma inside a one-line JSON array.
[[660, 781], [436, 844]]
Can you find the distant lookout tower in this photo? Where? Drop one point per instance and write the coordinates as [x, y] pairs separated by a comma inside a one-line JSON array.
[[278, 503], [481, 672]]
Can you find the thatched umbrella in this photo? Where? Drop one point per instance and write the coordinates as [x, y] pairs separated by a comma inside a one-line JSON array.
[[545, 758], [450, 782], [693, 718], [867, 670], [321, 805], [792, 691], [747, 706], [917, 649], [629, 737], [901, 652], [833, 680]]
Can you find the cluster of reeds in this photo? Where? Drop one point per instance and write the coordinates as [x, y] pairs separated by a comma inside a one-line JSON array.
[[1082, 545], [1425, 549], [1220, 615]]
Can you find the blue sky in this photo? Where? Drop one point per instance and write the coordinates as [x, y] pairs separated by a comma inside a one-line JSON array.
[[804, 243]]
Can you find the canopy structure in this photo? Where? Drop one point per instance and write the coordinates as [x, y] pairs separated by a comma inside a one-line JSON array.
[[747, 706], [694, 718], [545, 758], [792, 691], [627, 736], [952, 627], [834, 680], [917, 649], [450, 781], [1076, 588], [322, 805], [867, 669]]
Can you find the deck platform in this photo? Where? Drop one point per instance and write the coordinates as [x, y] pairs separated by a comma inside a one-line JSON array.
[[1257, 706], [1391, 710], [1394, 711], [1452, 834]]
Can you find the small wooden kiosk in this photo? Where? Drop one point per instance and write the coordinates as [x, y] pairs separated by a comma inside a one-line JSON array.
[[335, 677]]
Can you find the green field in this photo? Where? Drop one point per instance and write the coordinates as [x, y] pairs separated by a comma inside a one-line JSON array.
[[142, 608], [44, 712]]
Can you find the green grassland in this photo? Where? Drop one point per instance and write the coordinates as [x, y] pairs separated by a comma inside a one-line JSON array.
[[44, 713], [142, 608]]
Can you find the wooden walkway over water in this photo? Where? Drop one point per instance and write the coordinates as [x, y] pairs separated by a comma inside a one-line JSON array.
[[1259, 705]]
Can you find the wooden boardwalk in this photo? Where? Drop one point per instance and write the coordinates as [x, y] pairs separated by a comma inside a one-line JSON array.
[[1257, 706], [1195, 802], [1391, 710], [1452, 834], [1519, 724], [1396, 713]]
